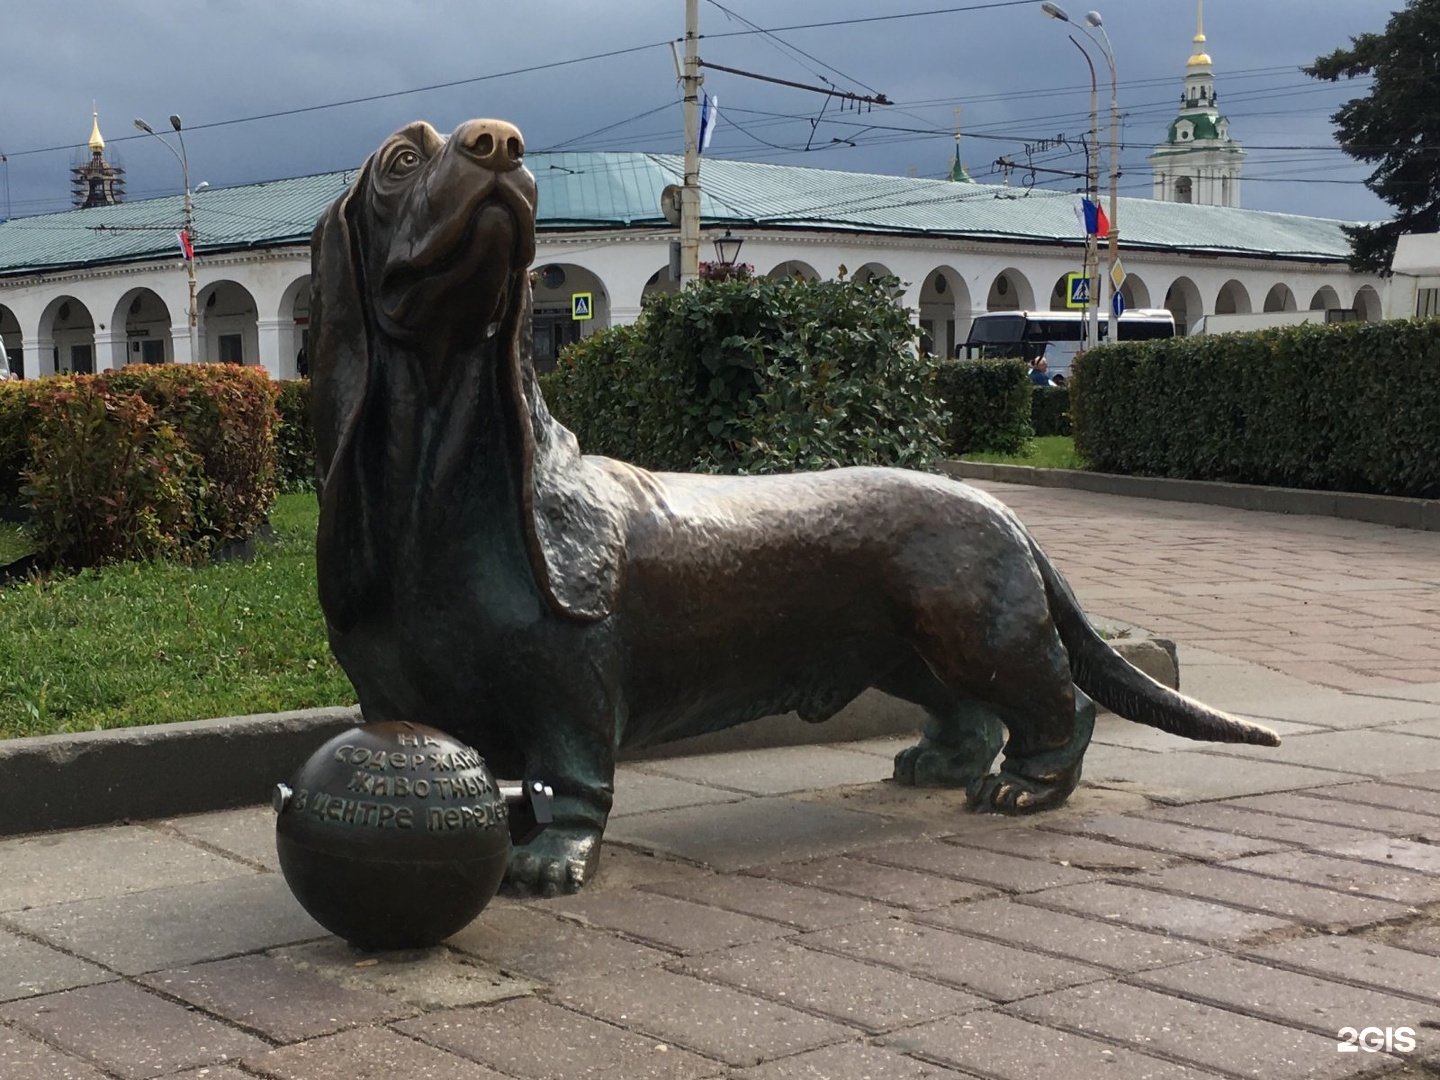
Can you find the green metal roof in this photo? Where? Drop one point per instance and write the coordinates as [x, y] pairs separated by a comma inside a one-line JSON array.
[[618, 190], [1204, 125]]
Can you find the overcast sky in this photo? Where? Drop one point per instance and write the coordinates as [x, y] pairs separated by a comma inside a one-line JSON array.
[[268, 89]]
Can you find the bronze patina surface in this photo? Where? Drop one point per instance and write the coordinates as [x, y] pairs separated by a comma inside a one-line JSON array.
[[393, 835], [548, 608]]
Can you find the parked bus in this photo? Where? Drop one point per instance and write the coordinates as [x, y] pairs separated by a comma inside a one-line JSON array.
[[1056, 335]]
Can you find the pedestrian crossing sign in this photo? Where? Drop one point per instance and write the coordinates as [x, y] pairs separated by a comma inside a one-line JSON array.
[[1077, 291], [582, 306]]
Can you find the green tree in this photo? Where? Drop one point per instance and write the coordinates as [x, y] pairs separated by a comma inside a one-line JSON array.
[[738, 374], [1396, 125]]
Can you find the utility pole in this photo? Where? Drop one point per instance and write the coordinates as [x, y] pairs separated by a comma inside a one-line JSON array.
[[690, 192], [1092, 192]]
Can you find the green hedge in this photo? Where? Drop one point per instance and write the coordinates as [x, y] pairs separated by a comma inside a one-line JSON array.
[[1050, 410], [116, 480], [294, 437], [755, 375], [1347, 407], [18, 420], [988, 402], [101, 460], [225, 415]]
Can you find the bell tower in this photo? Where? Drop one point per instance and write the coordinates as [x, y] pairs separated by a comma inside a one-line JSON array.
[[96, 182], [1198, 162]]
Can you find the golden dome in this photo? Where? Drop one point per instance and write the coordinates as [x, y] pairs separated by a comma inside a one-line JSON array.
[[97, 144], [1201, 56]]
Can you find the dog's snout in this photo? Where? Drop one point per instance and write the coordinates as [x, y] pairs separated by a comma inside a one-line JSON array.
[[496, 145]]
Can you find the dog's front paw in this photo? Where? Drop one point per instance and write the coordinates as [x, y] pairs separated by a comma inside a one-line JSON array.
[[562, 859]]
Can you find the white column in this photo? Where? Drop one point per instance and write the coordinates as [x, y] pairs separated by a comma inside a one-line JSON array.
[[180, 343], [623, 316], [110, 346], [274, 341], [39, 357]]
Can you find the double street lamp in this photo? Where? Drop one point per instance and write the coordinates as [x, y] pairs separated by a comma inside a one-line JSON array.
[[1093, 20], [189, 247]]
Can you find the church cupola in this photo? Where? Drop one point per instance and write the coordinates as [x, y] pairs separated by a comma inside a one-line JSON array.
[[96, 182], [1198, 162]]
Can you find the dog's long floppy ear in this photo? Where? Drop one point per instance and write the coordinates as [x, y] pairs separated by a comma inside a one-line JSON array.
[[339, 351], [573, 517]]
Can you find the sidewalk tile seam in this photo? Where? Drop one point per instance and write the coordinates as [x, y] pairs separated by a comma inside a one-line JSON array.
[[1348, 928], [1255, 956], [689, 1047], [1144, 1049], [990, 999], [1291, 930], [1030, 947], [658, 889], [201, 1010], [163, 827], [676, 967], [19, 931], [956, 840], [1184, 857], [1304, 793], [1360, 892], [1256, 1012]]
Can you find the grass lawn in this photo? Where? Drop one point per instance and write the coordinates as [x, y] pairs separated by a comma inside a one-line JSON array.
[[149, 644], [13, 544], [1045, 452]]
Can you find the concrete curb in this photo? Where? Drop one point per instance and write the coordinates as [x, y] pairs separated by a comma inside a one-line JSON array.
[[137, 774], [1391, 510]]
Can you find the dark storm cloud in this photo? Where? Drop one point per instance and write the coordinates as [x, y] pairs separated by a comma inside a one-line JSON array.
[[1012, 71]]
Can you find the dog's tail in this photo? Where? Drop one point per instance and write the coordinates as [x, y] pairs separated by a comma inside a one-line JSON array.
[[1122, 688]]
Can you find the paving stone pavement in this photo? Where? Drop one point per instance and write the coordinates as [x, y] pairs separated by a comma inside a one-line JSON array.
[[1194, 912]]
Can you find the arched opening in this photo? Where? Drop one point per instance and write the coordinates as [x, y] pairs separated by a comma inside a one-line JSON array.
[[944, 300], [1184, 190], [1135, 292], [1325, 299], [870, 271], [1060, 294], [228, 331], [1367, 304], [1233, 299], [659, 284], [293, 327], [794, 268], [570, 303], [146, 320], [1279, 298], [71, 330], [1182, 300], [1010, 291], [11, 342]]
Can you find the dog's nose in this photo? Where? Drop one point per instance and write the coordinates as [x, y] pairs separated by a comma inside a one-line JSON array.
[[492, 143]]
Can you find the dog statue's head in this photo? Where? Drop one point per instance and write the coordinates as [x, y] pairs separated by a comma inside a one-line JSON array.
[[424, 261]]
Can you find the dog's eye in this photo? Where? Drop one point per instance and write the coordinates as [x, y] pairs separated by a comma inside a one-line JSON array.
[[404, 162]]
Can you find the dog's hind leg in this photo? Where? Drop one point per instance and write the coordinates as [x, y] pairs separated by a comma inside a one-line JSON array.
[[961, 737], [1041, 766], [1006, 656]]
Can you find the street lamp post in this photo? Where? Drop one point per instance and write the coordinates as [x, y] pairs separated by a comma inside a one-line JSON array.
[[1093, 19], [184, 160], [1054, 11]]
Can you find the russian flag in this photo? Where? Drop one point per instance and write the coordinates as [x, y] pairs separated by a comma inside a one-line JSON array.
[[186, 247], [709, 113], [1093, 219]]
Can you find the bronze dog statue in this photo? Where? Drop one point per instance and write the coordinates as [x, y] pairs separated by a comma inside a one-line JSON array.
[[479, 575]]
